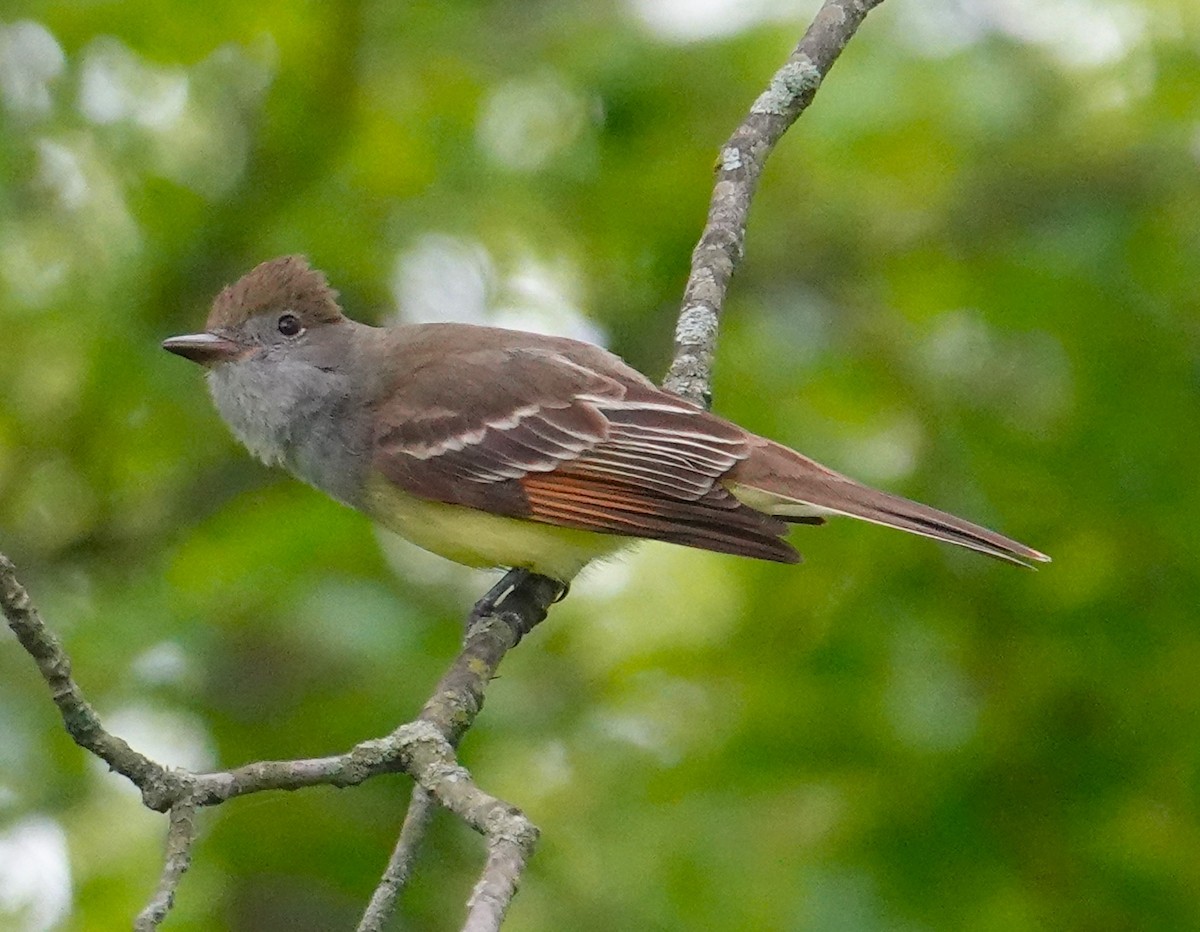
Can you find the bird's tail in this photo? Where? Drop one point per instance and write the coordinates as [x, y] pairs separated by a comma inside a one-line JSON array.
[[788, 485]]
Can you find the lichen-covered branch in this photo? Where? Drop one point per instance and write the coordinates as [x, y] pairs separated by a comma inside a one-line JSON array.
[[739, 166]]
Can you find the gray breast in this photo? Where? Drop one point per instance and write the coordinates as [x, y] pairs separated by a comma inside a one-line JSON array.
[[293, 414]]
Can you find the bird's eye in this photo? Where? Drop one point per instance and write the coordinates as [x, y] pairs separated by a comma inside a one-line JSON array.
[[289, 325]]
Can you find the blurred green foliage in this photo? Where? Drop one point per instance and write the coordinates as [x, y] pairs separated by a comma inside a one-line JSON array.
[[971, 277]]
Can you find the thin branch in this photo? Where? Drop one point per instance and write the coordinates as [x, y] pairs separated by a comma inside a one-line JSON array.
[[79, 718], [722, 243], [458, 697], [511, 840], [181, 835], [416, 822]]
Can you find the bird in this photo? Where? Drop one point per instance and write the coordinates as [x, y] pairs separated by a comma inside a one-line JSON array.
[[502, 448]]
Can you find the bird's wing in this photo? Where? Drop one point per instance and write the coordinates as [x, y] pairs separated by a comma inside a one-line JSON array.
[[533, 433]]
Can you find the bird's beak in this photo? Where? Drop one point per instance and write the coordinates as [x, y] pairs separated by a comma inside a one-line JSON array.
[[207, 349]]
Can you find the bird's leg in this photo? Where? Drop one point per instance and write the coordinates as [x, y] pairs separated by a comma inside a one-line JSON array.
[[508, 582]]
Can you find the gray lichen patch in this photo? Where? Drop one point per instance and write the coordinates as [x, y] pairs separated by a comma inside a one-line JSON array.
[[797, 76]]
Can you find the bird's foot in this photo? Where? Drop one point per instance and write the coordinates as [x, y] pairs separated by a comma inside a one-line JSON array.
[[487, 605], [527, 610]]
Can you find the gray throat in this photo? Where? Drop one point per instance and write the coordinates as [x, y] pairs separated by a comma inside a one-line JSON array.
[[290, 413]]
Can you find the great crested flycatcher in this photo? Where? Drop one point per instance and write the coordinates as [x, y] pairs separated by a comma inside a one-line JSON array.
[[501, 448]]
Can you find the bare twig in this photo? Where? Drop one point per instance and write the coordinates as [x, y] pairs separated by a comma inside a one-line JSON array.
[[511, 839], [511, 836], [79, 718], [722, 243], [383, 901], [181, 835]]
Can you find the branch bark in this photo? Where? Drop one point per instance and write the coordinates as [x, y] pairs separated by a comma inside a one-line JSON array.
[[383, 900], [722, 243], [181, 835], [425, 747]]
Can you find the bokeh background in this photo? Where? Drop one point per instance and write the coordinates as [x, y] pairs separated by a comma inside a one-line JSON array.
[[972, 278]]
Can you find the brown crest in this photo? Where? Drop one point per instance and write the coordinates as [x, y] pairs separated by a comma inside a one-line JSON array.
[[286, 283]]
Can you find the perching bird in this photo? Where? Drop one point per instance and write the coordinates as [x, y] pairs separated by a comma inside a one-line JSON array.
[[501, 448]]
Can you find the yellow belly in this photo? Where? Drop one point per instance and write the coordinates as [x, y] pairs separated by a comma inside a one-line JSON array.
[[476, 538]]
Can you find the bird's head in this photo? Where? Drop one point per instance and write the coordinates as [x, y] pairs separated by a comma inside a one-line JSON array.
[[280, 309]]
